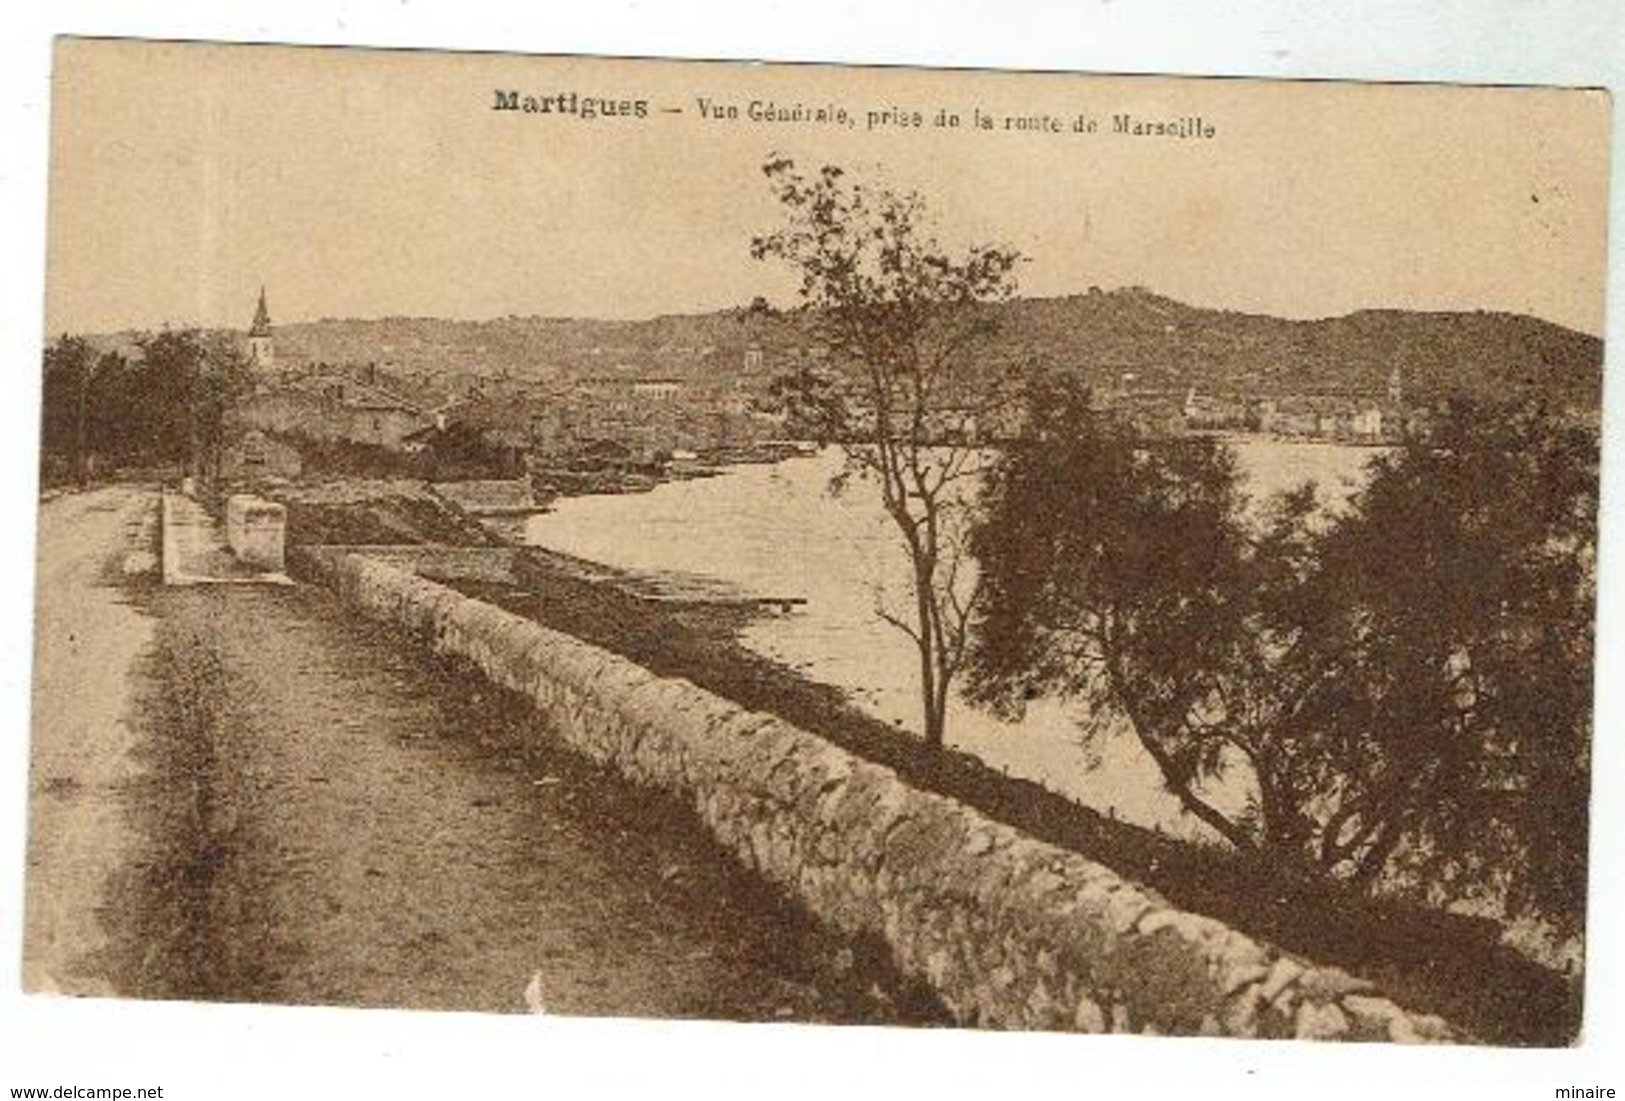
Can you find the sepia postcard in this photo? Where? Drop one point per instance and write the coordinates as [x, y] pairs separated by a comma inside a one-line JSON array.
[[808, 543]]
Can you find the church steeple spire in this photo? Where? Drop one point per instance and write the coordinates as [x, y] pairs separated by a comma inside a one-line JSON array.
[[259, 335], [262, 318]]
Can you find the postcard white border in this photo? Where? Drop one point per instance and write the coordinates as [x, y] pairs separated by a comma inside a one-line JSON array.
[[243, 1052]]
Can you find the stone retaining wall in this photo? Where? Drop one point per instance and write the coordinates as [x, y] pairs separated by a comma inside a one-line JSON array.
[[442, 563], [1010, 932]]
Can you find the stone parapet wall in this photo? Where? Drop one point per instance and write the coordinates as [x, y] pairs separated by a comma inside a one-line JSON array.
[[1009, 931], [440, 563]]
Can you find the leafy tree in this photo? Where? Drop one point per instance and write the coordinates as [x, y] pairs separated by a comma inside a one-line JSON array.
[[85, 394], [174, 403], [70, 366], [189, 387], [1401, 687], [901, 320], [1452, 610], [1122, 574]]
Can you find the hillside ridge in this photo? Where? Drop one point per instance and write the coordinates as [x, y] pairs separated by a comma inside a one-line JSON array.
[[1110, 337]]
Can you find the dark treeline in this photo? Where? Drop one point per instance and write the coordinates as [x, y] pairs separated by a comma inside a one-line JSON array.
[[1402, 683], [168, 403]]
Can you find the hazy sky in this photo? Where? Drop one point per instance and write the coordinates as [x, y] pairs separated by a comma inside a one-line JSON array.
[[360, 183]]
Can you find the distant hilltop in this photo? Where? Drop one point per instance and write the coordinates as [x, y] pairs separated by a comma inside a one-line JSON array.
[[1108, 337], [1106, 334]]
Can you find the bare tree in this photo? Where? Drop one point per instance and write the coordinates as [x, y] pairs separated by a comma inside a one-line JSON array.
[[905, 388]]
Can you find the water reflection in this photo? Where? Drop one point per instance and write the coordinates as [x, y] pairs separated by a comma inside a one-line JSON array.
[[776, 530]]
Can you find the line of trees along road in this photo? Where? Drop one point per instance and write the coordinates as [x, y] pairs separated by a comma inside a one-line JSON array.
[[170, 403], [1402, 684]]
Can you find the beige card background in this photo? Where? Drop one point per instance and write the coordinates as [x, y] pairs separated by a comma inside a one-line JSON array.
[[1271, 168], [369, 183]]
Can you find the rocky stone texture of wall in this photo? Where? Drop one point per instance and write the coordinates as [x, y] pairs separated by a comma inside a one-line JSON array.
[[442, 563], [1009, 931]]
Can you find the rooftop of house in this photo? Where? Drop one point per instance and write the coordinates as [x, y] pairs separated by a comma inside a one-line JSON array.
[[491, 413]]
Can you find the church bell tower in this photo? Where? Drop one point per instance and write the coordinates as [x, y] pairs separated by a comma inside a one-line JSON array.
[[259, 336]]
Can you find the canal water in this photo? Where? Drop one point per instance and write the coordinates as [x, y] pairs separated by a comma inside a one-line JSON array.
[[777, 530]]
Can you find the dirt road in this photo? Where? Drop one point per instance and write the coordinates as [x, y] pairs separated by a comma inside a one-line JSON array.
[[309, 811], [88, 643], [89, 639]]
